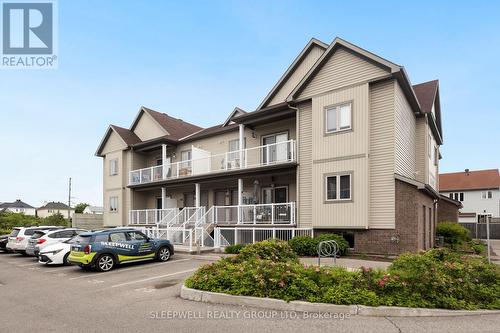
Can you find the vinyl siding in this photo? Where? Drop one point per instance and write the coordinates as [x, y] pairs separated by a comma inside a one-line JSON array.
[[147, 128], [297, 75], [342, 69], [405, 131], [341, 152], [113, 144], [421, 155], [304, 148], [350, 214], [382, 145], [347, 143]]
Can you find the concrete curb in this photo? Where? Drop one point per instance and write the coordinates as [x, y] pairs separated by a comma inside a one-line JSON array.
[[300, 306]]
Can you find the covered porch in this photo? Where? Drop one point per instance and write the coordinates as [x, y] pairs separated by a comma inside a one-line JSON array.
[[264, 198]]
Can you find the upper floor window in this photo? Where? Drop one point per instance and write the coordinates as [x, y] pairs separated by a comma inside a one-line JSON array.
[[338, 118], [457, 196], [113, 204], [436, 156], [486, 195], [113, 167], [338, 187]]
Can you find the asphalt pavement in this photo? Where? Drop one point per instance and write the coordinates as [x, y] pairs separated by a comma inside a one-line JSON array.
[[145, 298]]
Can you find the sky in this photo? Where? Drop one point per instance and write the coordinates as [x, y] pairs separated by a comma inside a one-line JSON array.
[[197, 60]]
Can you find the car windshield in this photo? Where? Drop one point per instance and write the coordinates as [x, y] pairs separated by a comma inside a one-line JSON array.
[[80, 239], [14, 233], [37, 234]]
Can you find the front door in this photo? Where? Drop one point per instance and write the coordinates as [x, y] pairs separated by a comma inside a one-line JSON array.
[[188, 199]]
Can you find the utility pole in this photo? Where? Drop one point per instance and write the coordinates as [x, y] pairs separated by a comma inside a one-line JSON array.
[[69, 199]]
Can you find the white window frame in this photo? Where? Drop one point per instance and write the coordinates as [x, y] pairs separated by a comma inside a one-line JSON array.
[[187, 162], [486, 195], [113, 167], [337, 108], [338, 175], [113, 199]]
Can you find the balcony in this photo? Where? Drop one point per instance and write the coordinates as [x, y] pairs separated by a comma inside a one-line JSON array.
[[259, 214], [203, 163]]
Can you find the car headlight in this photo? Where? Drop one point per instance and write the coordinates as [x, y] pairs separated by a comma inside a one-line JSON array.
[[52, 252]]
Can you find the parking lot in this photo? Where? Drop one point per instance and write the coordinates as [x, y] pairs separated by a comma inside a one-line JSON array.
[[145, 297]]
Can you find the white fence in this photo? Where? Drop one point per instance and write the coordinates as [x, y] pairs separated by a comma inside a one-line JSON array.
[[239, 235], [275, 213], [276, 153]]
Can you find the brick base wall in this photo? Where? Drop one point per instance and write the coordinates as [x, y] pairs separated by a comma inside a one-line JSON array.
[[409, 234], [447, 211]]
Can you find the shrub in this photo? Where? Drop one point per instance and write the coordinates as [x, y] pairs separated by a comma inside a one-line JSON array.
[[437, 278], [453, 233], [234, 249], [275, 250], [307, 246]]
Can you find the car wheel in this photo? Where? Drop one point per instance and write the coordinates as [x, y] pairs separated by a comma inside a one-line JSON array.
[[65, 259], [163, 254], [105, 263]]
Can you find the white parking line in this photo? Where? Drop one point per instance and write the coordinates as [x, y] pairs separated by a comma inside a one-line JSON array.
[[153, 278], [129, 269]]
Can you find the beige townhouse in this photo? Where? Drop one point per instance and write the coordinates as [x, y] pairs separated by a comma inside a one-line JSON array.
[[342, 143]]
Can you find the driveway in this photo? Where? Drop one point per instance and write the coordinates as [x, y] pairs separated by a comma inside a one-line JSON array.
[[145, 298]]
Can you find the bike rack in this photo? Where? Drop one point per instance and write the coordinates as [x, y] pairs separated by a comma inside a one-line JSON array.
[[328, 248]]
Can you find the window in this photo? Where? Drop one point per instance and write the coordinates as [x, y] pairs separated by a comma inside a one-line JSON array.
[[276, 148], [436, 156], [186, 157], [113, 204], [234, 148], [486, 195], [429, 145], [338, 118], [118, 237], [136, 236], [113, 167], [338, 187], [457, 196]]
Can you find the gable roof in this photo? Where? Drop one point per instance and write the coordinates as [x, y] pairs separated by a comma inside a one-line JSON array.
[[293, 66], [127, 136], [428, 95], [55, 205], [469, 180], [337, 43], [16, 204], [175, 128], [236, 112]]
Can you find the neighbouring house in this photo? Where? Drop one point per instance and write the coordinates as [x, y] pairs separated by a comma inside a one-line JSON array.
[[93, 210], [18, 206], [478, 191], [342, 143], [51, 208]]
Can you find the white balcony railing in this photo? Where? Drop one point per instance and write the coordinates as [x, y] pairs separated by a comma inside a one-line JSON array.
[[276, 153], [261, 214], [150, 216]]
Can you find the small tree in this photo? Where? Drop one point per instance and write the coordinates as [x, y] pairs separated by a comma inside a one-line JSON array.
[[81, 207]]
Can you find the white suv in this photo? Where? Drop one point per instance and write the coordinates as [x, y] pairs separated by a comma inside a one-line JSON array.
[[18, 238], [43, 239]]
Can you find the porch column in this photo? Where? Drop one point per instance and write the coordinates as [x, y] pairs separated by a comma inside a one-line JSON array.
[[197, 194], [240, 198], [163, 198], [164, 160], [242, 143]]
